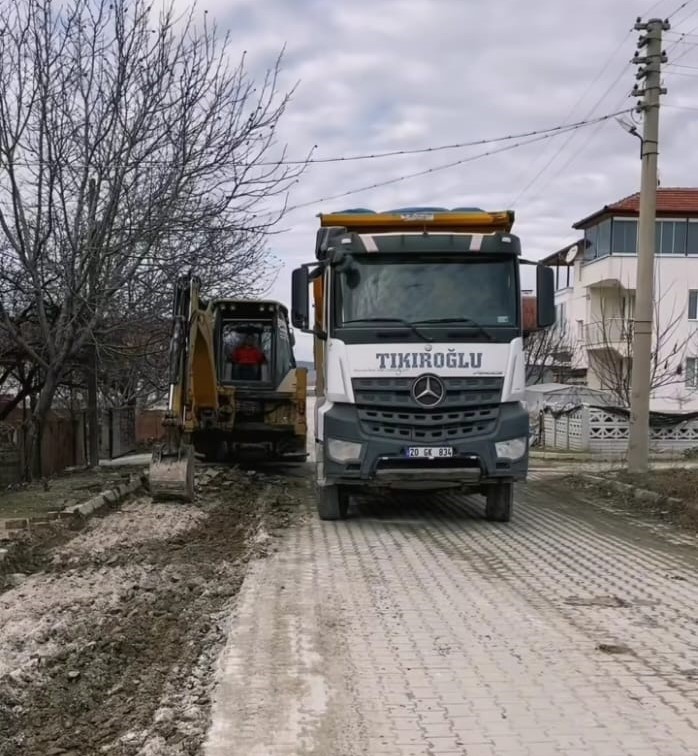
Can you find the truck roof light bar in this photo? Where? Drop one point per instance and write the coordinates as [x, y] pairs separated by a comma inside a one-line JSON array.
[[429, 219]]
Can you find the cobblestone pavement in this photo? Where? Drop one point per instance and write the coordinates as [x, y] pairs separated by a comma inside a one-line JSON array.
[[416, 627]]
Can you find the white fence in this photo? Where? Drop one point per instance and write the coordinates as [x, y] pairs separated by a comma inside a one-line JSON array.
[[593, 429]]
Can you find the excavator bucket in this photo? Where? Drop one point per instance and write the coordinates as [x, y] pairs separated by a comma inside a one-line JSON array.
[[171, 474]]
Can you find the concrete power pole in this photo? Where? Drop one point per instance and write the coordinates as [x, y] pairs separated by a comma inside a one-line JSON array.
[[651, 63]]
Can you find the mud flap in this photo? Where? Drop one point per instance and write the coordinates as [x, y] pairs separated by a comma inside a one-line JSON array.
[[171, 474]]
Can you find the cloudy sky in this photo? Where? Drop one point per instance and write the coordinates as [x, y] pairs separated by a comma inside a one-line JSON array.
[[378, 75]]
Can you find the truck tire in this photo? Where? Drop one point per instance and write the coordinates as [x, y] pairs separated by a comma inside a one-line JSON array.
[[332, 503], [499, 502]]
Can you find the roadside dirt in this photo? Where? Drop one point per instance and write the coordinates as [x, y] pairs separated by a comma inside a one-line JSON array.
[[37, 498], [109, 632], [672, 483]]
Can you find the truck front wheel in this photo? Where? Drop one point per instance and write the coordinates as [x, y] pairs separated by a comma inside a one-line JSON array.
[[332, 502], [499, 502]]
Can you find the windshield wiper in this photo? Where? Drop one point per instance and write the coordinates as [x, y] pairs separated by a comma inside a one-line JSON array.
[[405, 323], [469, 321]]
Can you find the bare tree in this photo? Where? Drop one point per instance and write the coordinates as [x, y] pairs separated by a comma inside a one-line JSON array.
[[133, 361], [19, 375], [612, 337], [130, 148], [548, 353], [19, 380]]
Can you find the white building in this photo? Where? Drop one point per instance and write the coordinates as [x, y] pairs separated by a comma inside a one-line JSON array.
[[596, 278]]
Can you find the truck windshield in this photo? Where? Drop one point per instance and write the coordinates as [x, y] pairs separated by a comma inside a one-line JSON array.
[[481, 291]]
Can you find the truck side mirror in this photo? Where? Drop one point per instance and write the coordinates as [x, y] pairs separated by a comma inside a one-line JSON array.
[[545, 296], [300, 298]]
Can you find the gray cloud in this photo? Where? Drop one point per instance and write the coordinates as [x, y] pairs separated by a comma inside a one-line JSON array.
[[400, 74]]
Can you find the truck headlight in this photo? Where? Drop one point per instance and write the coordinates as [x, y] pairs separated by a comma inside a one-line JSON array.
[[514, 448], [343, 451]]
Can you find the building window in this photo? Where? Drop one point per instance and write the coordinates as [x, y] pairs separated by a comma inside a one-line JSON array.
[[590, 243], [620, 236], [693, 304], [692, 372], [692, 238], [598, 240], [670, 237], [603, 241], [624, 237]]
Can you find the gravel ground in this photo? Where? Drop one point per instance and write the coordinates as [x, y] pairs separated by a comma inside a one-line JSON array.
[[110, 628], [676, 483]]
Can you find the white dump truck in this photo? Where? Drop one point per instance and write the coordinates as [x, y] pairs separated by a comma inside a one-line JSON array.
[[418, 340]]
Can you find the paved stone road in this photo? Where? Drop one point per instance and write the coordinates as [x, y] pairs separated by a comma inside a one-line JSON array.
[[417, 627]]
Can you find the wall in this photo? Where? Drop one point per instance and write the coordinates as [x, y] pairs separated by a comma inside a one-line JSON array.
[[63, 445], [117, 432], [63, 442], [149, 426], [592, 429], [10, 460]]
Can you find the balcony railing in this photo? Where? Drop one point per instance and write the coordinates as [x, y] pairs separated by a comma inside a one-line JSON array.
[[611, 333]]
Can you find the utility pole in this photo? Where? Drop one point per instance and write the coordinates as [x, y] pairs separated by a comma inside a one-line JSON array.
[[650, 70]]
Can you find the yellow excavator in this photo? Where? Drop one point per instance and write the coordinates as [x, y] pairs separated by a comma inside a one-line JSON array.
[[233, 384]]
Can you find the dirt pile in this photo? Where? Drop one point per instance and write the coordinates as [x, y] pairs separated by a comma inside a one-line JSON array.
[[109, 646]]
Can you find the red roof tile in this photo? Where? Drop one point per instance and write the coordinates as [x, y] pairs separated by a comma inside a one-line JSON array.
[[670, 200]]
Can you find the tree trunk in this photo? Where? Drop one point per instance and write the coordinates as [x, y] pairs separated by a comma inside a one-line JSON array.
[[35, 428], [92, 409]]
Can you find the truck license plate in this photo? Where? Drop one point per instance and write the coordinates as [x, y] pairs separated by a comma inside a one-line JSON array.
[[429, 452]]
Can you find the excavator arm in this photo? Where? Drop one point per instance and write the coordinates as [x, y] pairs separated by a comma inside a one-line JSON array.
[[171, 473]]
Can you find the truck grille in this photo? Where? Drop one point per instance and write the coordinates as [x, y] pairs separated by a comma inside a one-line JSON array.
[[386, 409]]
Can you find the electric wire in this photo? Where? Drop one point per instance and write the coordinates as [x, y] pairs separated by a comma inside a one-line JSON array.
[[445, 166]]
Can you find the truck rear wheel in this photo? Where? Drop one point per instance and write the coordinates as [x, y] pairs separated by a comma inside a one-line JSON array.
[[332, 502], [499, 502]]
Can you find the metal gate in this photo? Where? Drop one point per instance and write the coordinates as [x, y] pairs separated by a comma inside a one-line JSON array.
[[118, 435]]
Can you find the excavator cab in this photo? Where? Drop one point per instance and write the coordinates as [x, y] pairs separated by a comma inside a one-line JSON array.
[[255, 347], [234, 383], [245, 352]]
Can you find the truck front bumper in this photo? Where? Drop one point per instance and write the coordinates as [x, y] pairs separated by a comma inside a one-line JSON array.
[[384, 461]]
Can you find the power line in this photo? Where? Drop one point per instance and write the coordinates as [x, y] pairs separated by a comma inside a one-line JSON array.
[[440, 148], [569, 139], [680, 65], [682, 41], [591, 110], [681, 107], [555, 155], [681, 73], [682, 35], [680, 8], [444, 166], [688, 47], [649, 10], [685, 18], [596, 130], [551, 131]]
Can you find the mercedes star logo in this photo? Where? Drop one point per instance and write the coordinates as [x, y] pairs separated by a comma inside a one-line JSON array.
[[428, 390]]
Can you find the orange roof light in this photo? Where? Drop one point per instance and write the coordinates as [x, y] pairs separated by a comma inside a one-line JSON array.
[[476, 221]]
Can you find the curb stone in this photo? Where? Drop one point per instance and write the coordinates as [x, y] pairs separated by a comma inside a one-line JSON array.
[[87, 508], [641, 493], [112, 496]]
